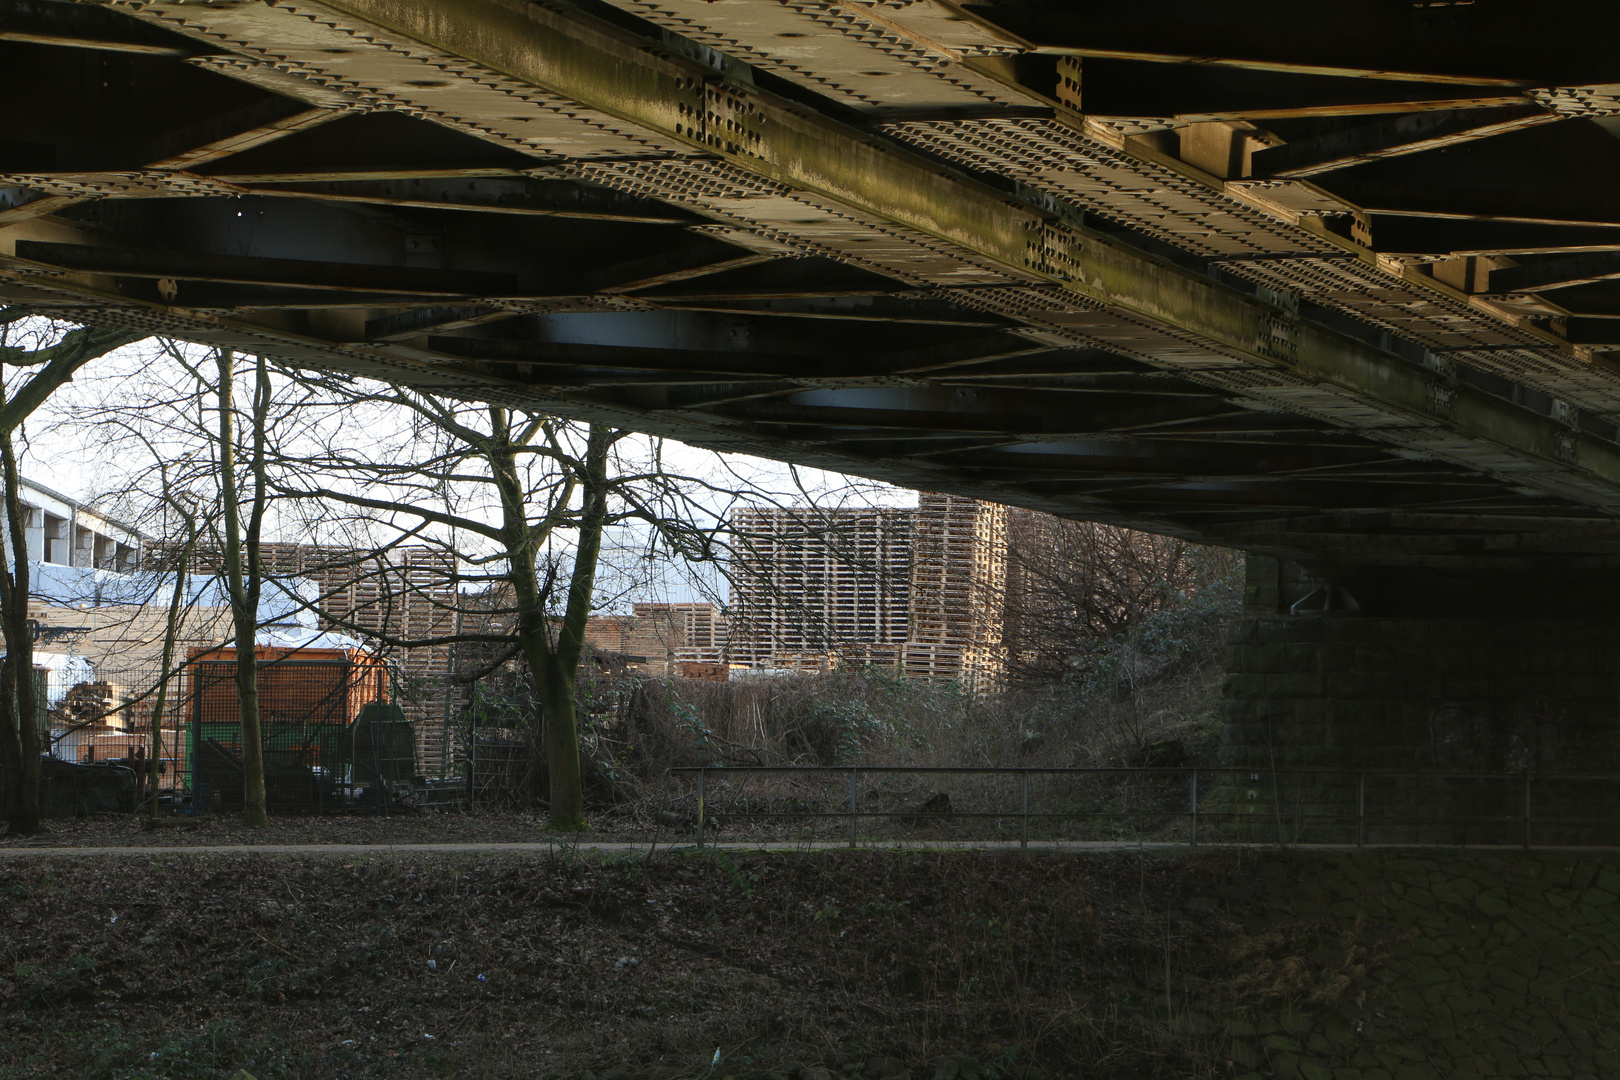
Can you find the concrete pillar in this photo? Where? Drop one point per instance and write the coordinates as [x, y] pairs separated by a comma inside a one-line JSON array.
[[1512, 693], [84, 546], [36, 533]]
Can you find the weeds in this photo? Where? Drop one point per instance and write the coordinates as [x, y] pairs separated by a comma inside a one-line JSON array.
[[1292, 968]]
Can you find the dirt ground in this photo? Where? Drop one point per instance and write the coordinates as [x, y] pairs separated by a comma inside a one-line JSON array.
[[210, 830], [412, 827], [798, 966]]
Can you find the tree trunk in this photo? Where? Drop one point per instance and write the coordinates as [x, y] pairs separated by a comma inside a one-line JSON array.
[[553, 668], [20, 737], [10, 747], [593, 488], [563, 774], [244, 594], [558, 734], [22, 785], [171, 631]]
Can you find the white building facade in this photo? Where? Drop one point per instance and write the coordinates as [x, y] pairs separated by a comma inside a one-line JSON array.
[[63, 532]]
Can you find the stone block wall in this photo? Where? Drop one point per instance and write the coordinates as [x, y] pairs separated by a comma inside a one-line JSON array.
[[1471, 966], [1346, 699]]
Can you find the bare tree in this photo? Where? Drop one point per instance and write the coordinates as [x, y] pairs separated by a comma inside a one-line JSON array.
[[244, 576], [523, 500], [49, 353], [1074, 586], [184, 509], [513, 504], [192, 459]]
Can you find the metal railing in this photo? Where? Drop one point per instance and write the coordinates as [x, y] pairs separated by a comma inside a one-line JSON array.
[[1232, 804]]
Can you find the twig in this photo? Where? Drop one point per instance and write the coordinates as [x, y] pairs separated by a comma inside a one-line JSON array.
[[280, 949]]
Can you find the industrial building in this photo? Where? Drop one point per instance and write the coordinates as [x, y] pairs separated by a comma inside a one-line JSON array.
[[63, 532]]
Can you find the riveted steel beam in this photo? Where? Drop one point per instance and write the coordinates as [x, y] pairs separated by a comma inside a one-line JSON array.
[[84, 27], [1557, 272], [611, 70], [1370, 40], [733, 266], [1413, 133]]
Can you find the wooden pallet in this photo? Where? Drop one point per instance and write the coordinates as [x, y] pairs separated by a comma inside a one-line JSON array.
[[927, 580]]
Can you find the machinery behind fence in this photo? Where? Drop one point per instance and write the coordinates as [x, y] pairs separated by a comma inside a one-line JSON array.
[[329, 740], [1177, 805]]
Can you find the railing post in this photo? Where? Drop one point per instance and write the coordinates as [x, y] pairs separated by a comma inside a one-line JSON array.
[[1361, 808], [1527, 809], [1195, 808], [701, 773], [1023, 824], [853, 784]]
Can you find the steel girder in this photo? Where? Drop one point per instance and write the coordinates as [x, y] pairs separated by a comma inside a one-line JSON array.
[[987, 250]]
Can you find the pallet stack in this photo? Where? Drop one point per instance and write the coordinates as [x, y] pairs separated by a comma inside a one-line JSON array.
[[657, 638], [705, 632], [809, 581], [916, 588], [958, 578]]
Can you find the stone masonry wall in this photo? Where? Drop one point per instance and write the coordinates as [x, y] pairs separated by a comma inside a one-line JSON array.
[[1360, 695], [1456, 967]]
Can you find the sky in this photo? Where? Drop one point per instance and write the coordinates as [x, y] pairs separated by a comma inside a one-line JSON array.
[[63, 448]]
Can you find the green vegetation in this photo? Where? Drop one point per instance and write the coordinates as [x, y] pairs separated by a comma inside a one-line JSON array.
[[1148, 693]]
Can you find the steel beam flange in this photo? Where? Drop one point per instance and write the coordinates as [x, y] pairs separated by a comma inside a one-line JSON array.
[[611, 71], [629, 89]]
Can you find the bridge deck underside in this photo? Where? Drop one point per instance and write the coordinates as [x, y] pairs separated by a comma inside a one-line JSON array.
[[1344, 294]]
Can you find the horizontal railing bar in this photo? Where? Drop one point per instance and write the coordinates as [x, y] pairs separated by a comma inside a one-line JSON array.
[[916, 817], [1077, 770], [1321, 814], [923, 817]]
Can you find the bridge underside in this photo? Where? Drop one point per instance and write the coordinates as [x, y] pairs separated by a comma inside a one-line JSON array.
[[1335, 285]]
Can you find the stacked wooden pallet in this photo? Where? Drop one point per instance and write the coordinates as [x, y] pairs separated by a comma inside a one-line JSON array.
[[807, 581], [656, 637], [922, 587], [707, 634], [958, 575]]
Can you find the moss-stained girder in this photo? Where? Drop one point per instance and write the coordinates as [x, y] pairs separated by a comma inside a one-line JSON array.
[[867, 241], [573, 56]]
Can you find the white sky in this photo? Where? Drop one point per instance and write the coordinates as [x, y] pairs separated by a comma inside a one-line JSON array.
[[62, 452]]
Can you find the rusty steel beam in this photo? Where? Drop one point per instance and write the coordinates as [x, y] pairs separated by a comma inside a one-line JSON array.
[[85, 27], [692, 238], [1373, 41], [251, 270], [1556, 272]]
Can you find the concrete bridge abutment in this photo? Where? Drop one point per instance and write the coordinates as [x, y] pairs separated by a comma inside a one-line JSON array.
[[1399, 708]]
